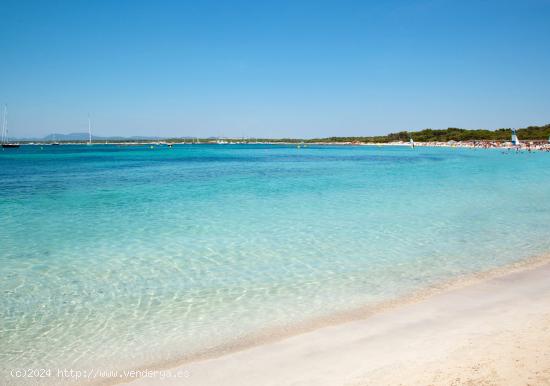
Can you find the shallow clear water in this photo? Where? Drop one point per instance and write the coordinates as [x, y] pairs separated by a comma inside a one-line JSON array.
[[119, 257]]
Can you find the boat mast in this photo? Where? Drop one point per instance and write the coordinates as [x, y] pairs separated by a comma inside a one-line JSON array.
[[89, 130], [5, 125]]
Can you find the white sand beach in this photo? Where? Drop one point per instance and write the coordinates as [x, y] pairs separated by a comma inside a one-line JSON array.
[[489, 332]]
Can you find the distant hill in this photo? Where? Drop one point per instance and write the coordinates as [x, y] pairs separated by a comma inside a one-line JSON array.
[[81, 137], [84, 137]]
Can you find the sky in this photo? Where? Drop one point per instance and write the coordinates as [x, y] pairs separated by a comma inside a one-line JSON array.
[[273, 68]]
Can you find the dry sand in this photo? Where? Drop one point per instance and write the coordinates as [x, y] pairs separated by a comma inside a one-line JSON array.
[[493, 332]]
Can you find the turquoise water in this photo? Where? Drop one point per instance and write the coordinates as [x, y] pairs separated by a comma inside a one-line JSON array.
[[120, 257]]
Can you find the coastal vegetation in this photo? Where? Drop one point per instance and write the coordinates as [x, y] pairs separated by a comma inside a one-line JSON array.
[[532, 133]]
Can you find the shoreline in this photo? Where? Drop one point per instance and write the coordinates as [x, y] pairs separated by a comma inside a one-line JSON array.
[[473, 144], [274, 337]]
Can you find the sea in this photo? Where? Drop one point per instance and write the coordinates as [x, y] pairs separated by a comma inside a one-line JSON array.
[[133, 257]]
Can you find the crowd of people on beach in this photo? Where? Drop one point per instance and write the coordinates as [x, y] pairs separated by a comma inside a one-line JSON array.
[[508, 146]]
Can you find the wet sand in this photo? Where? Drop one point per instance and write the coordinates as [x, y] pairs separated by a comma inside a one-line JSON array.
[[490, 332]]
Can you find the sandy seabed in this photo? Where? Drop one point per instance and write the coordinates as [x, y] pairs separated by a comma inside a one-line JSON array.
[[490, 331]]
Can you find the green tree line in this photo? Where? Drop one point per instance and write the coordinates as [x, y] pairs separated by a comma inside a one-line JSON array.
[[451, 134]]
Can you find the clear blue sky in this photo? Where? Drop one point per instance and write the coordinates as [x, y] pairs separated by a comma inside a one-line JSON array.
[[273, 69]]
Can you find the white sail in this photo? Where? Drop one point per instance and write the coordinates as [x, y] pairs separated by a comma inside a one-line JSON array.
[[515, 140]]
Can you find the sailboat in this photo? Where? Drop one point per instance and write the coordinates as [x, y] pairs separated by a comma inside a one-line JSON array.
[[4, 135], [89, 131], [55, 143], [515, 139]]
